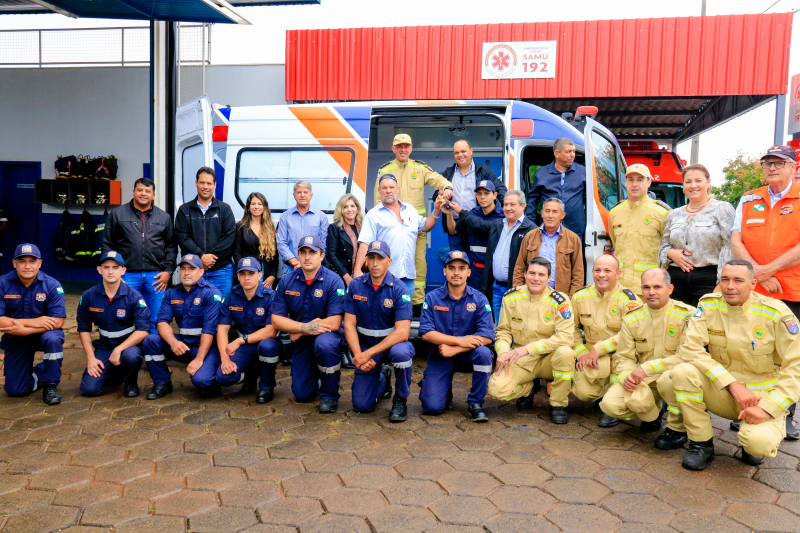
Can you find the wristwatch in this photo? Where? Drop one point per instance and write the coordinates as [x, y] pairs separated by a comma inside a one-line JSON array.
[[245, 338]]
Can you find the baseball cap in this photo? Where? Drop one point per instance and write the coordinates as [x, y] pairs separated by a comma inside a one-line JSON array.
[[456, 256], [248, 263], [639, 168], [192, 259], [114, 256], [27, 249], [784, 152], [401, 138], [388, 177], [310, 241], [486, 184], [380, 248]]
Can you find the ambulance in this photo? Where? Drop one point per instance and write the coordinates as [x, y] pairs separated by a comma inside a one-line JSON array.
[[338, 148]]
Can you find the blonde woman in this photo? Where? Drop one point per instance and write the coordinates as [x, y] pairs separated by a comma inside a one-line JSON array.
[[255, 237], [343, 235]]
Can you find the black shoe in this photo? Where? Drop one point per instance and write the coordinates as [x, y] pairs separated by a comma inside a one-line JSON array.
[[671, 440], [791, 432], [159, 391], [399, 411], [477, 412], [699, 455], [416, 310], [265, 396], [526, 402], [607, 421], [328, 406], [649, 427], [559, 415], [449, 401], [248, 388], [131, 391], [387, 392], [211, 391], [346, 359], [751, 460], [734, 425], [50, 395]]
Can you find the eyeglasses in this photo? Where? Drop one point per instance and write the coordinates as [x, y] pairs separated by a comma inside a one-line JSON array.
[[778, 164]]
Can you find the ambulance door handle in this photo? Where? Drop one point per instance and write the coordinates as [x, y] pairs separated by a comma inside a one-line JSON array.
[[344, 180]]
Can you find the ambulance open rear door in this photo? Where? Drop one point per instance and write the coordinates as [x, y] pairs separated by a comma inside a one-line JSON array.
[[193, 147]]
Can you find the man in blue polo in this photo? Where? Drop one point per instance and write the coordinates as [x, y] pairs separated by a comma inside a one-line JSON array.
[[457, 323], [377, 322], [194, 304], [32, 314], [122, 319], [248, 307], [308, 305]]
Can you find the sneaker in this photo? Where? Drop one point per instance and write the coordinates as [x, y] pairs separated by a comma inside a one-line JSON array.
[[131, 391], [477, 413], [265, 396], [159, 391], [699, 455], [328, 406], [50, 395], [399, 411], [387, 392], [671, 440]]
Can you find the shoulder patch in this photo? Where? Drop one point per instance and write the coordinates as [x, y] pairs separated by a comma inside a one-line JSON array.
[[664, 205], [620, 204], [386, 164], [422, 163], [791, 324], [59, 290], [217, 297], [629, 294], [509, 291], [699, 312], [558, 297]]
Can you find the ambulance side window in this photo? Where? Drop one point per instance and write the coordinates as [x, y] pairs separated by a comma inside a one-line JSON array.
[[605, 168], [274, 171]]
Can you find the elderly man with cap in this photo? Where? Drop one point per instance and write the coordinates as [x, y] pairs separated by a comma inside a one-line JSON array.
[[399, 225], [636, 226], [766, 232], [32, 314], [457, 324], [490, 207], [377, 322], [308, 305], [194, 305], [248, 307], [122, 319], [411, 176]]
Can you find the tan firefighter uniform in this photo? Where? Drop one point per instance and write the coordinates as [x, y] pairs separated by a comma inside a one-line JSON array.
[[650, 338], [755, 344], [600, 317], [411, 180], [543, 324], [636, 230]]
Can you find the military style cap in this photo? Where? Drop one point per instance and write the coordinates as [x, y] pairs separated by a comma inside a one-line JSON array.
[[639, 168], [456, 256], [192, 259], [401, 138], [248, 263], [114, 256], [379, 247], [784, 152], [27, 249], [486, 184], [310, 241]]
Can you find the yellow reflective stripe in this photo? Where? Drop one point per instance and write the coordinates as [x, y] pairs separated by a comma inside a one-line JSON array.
[[715, 305], [673, 410], [623, 375], [422, 211], [619, 206], [695, 397], [512, 297], [580, 349], [764, 311], [549, 300], [638, 315], [715, 372], [767, 385], [677, 312], [540, 346], [613, 378], [513, 392], [609, 345], [584, 294], [621, 297], [641, 267], [658, 207], [419, 283], [621, 265], [566, 376], [780, 400], [502, 345], [657, 365]]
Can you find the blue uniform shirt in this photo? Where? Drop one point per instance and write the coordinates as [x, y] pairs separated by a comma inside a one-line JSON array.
[[44, 297], [195, 312], [248, 316], [301, 302], [478, 241], [377, 311], [470, 315], [115, 320]]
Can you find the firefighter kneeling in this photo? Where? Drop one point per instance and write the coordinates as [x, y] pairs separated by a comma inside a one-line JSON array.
[[751, 371]]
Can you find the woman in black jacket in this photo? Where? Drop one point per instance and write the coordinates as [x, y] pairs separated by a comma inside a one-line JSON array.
[[255, 237], [342, 240]]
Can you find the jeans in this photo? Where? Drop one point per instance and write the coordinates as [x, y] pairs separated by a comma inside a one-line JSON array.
[[222, 279], [497, 300], [409, 285], [143, 283]]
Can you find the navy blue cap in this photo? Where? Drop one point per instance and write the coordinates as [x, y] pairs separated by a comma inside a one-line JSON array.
[[27, 249], [456, 256], [310, 241], [784, 152], [379, 247], [486, 184], [248, 263], [114, 256], [387, 177], [192, 259]]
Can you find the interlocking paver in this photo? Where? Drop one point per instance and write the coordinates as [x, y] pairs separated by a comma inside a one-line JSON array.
[[37, 463], [152, 487], [123, 472], [87, 494], [281, 422], [473, 461], [250, 494], [260, 437], [568, 465], [9, 483], [51, 518], [156, 449], [530, 501], [763, 517], [215, 478], [415, 492], [329, 462], [521, 435], [293, 449], [381, 455], [22, 500], [468, 483], [734, 488], [240, 456], [521, 453], [781, 480], [209, 444], [357, 502], [423, 468], [274, 469], [463, 510], [186, 503], [222, 520], [58, 478], [628, 481], [437, 449], [640, 508], [115, 512], [98, 456], [311, 485], [149, 524], [400, 519], [582, 518], [182, 464], [336, 524], [289, 511], [577, 490], [521, 474], [517, 523], [438, 432], [694, 522]]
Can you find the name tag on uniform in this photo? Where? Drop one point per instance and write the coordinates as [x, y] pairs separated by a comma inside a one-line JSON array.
[[639, 340], [176, 301], [515, 319], [360, 298], [12, 296], [95, 310], [293, 293], [716, 332], [440, 308], [232, 308], [585, 316]]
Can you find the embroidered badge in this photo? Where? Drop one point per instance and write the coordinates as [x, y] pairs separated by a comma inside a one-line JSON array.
[[95, 310], [759, 207], [787, 209], [440, 308], [547, 317], [488, 308], [388, 303], [176, 301], [698, 313], [318, 293], [639, 340], [217, 297], [59, 290], [565, 311], [293, 293], [232, 308], [142, 304], [197, 301], [717, 332], [406, 298], [672, 330], [648, 219], [758, 331], [260, 311], [791, 325], [40, 297], [360, 298], [120, 313], [614, 310], [471, 307], [339, 292], [28, 249]]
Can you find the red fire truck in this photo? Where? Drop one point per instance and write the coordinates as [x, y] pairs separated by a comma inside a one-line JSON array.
[[664, 165]]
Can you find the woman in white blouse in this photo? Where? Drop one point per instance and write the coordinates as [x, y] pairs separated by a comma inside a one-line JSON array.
[[697, 238]]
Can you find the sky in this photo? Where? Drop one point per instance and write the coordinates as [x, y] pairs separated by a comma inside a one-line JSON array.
[[263, 42]]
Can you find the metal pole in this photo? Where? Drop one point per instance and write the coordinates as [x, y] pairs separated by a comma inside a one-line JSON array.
[[780, 118], [40, 48], [703, 8], [203, 45], [694, 158], [123, 47]]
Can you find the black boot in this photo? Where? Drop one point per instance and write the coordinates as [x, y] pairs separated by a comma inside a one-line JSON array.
[[734, 425], [477, 413], [699, 455], [751, 460], [387, 392], [655, 425], [449, 401], [671, 440], [210, 392], [327, 406], [399, 411], [131, 391], [558, 415], [526, 402], [50, 395], [346, 357], [159, 391], [265, 396], [791, 432], [607, 421]]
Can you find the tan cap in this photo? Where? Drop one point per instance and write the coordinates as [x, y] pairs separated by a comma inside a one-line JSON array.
[[602, 371], [639, 168], [401, 138], [641, 400]]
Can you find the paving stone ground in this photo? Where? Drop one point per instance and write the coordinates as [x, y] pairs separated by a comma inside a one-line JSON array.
[[226, 464]]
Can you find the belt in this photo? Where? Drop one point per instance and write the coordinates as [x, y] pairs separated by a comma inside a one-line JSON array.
[[374, 332]]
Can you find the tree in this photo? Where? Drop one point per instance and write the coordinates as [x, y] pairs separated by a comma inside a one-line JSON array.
[[742, 174]]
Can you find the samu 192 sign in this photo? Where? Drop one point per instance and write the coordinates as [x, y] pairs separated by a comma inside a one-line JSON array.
[[519, 60]]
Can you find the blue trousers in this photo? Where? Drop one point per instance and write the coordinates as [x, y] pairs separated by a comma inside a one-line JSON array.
[[143, 283], [458, 242], [22, 377], [127, 371], [438, 377], [497, 300], [222, 279], [249, 356], [157, 352], [316, 367], [367, 386]]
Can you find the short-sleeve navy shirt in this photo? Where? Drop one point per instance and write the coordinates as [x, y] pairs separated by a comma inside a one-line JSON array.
[[248, 316], [377, 310], [114, 319], [303, 302], [44, 297], [195, 312], [469, 315]]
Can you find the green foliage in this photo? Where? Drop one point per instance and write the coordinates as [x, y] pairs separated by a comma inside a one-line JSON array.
[[742, 174]]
